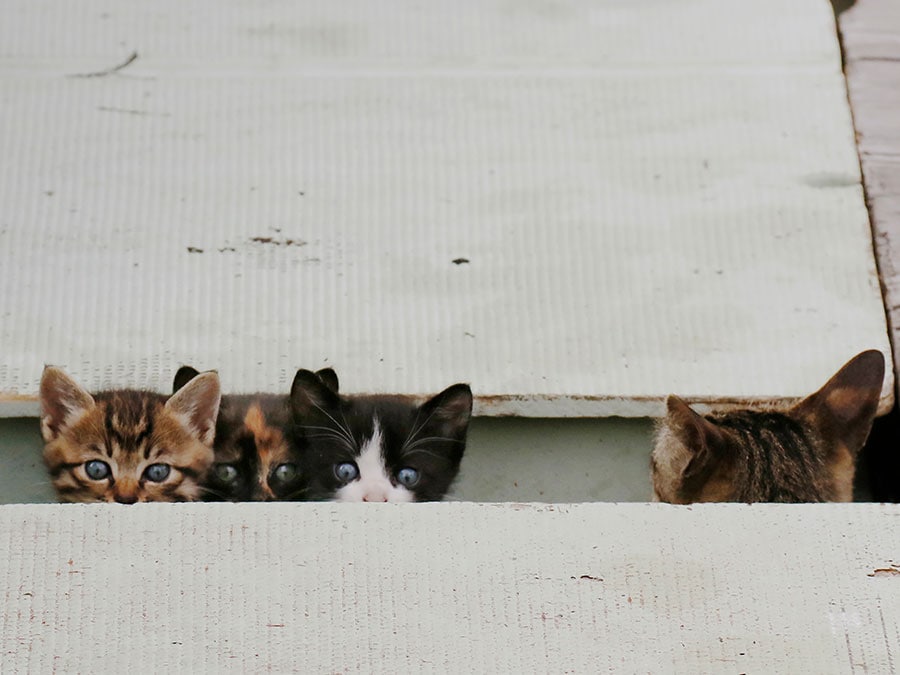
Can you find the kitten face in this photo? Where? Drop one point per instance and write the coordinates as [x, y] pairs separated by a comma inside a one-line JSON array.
[[255, 456], [379, 448], [127, 446], [254, 460], [805, 454]]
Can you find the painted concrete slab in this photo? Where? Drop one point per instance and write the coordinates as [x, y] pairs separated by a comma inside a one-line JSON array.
[[607, 203], [356, 588]]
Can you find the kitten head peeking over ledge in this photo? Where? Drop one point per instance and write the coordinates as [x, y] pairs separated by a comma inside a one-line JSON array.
[[804, 454], [379, 448], [126, 445], [255, 458]]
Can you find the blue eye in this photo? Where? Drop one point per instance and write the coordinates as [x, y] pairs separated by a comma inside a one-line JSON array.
[[96, 470], [407, 476], [157, 473], [346, 472], [286, 472], [225, 473]]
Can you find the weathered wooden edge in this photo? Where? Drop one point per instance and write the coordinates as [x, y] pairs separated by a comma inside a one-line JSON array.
[[870, 36]]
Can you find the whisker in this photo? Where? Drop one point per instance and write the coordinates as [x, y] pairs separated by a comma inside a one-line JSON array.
[[347, 427], [295, 493], [312, 426], [331, 433], [412, 427], [415, 433], [215, 493], [423, 451], [345, 431], [429, 439]]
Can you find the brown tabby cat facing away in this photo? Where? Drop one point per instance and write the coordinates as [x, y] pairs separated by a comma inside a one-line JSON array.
[[805, 454], [127, 446]]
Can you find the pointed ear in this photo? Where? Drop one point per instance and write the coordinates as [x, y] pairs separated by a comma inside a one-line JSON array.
[[196, 405], [845, 407], [450, 410], [329, 378], [184, 375], [703, 438], [310, 394], [62, 402]]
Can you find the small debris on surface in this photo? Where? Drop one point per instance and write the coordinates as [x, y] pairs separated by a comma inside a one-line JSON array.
[[194, 249], [885, 572], [461, 261], [131, 111], [278, 242], [109, 71]]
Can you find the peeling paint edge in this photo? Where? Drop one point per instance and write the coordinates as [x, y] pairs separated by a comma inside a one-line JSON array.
[[544, 405]]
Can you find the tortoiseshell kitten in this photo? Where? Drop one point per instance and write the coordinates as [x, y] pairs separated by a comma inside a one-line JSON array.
[[127, 446], [379, 448], [255, 458], [805, 454]]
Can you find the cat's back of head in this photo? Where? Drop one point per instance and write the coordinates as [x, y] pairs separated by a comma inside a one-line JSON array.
[[804, 454]]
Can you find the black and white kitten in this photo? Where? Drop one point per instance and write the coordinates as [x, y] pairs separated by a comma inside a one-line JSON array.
[[378, 448]]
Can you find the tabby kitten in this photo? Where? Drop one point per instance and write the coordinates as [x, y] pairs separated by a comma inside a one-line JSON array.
[[379, 448], [255, 459], [127, 446], [805, 454]]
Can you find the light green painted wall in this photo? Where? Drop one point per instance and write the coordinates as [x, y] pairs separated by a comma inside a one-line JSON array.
[[556, 460], [507, 459], [22, 474]]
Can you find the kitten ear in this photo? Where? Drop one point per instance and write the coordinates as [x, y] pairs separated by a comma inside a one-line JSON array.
[[329, 378], [845, 406], [196, 405], [62, 402], [310, 393], [451, 410], [184, 375], [703, 438]]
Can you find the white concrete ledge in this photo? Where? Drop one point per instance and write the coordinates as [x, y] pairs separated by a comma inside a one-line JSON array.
[[454, 587], [578, 207]]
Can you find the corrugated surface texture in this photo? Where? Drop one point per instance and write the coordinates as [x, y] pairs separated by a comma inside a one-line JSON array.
[[578, 207], [871, 36], [450, 588]]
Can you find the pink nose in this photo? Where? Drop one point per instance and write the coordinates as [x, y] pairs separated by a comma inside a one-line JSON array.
[[375, 498]]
